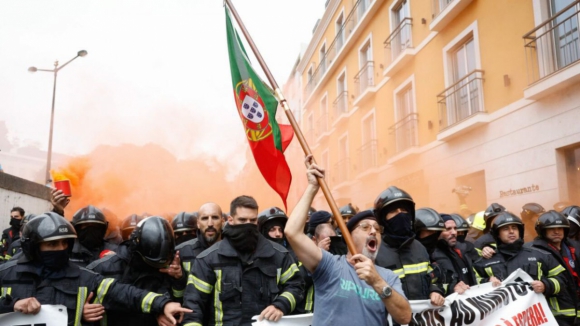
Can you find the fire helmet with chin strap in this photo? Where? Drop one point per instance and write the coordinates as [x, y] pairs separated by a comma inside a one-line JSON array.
[[45, 227], [506, 218], [393, 198], [271, 216], [551, 220], [153, 240]]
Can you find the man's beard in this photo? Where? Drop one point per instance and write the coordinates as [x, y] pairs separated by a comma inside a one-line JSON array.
[[212, 239], [370, 255]]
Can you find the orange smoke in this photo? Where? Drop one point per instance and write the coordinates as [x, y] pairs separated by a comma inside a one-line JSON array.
[[129, 179]]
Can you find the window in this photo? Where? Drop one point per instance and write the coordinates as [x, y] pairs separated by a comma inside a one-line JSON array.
[[323, 119], [342, 97], [465, 100], [405, 127], [364, 78], [573, 173], [401, 27], [565, 30], [322, 56], [343, 164], [310, 128], [368, 150], [363, 6], [339, 26]]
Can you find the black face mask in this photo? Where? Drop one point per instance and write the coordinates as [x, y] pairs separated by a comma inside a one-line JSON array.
[[15, 223], [54, 260], [510, 249], [461, 238], [91, 237], [243, 237], [430, 241], [185, 237], [399, 225]]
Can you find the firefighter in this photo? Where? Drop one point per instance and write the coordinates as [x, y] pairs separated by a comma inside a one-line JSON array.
[[13, 232], [184, 227], [44, 275], [129, 224], [572, 213], [147, 261], [529, 214], [16, 246], [91, 225], [400, 252]]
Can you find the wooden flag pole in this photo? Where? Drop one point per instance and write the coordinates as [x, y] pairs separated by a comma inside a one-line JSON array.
[[321, 181]]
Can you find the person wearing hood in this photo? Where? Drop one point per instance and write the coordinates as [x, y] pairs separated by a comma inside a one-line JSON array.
[[210, 223], [148, 261], [549, 277], [13, 232], [243, 275], [400, 251], [450, 256]]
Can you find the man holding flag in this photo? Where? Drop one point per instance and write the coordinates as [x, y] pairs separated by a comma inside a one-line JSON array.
[[349, 289]]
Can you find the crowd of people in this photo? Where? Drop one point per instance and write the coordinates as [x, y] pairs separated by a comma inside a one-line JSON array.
[[213, 268]]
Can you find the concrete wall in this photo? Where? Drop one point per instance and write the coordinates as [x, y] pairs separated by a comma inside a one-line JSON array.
[[14, 191]]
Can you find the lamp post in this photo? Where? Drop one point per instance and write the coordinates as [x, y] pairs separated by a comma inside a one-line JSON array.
[[56, 69]]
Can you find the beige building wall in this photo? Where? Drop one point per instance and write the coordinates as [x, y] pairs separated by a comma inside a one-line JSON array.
[[444, 97]]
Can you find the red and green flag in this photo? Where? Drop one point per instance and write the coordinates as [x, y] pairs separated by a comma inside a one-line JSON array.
[[257, 108]]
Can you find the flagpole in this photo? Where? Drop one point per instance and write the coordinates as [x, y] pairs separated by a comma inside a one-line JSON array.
[[321, 181]]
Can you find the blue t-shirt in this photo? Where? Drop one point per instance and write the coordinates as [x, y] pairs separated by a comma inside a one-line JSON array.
[[344, 299]]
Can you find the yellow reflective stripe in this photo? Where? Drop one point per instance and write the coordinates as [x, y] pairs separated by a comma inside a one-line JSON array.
[[556, 270], [478, 251], [219, 313], [563, 312], [290, 298], [6, 291], [102, 290], [540, 273], [416, 268], [477, 277], [7, 257], [556, 285], [177, 293], [278, 273], [578, 314], [399, 272], [289, 273], [192, 324], [309, 299], [148, 301], [489, 271], [81, 297], [187, 266], [445, 287], [199, 284]]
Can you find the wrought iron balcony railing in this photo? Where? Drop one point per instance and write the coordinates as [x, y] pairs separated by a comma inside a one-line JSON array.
[[406, 132], [340, 104], [399, 40], [461, 100], [341, 171], [367, 154], [554, 44], [365, 77]]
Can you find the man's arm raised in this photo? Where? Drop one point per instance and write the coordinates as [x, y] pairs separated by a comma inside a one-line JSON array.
[[304, 248]]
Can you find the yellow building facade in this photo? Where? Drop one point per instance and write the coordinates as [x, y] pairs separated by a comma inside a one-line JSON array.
[[431, 95]]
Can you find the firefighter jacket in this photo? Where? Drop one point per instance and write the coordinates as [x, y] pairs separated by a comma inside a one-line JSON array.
[[128, 268], [190, 249], [558, 308], [485, 240], [20, 279], [82, 256], [539, 264], [306, 305], [8, 236], [410, 262], [14, 248], [460, 266], [223, 290], [469, 249]]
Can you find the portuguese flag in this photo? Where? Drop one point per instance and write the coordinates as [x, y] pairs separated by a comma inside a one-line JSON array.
[[257, 108]]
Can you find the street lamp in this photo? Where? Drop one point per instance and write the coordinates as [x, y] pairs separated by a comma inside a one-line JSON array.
[[81, 53]]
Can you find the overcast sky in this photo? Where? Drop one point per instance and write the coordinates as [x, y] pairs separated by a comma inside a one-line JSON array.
[[156, 71]]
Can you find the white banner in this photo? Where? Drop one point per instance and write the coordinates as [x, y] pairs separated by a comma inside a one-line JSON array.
[[48, 316], [485, 305], [481, 305]]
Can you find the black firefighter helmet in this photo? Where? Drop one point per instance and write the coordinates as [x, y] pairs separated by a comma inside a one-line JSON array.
[[392, 198], [153, 241], [45, 227]]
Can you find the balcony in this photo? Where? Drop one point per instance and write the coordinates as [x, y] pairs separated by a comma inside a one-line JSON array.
[[552, 53], [345, 31], [364, 79], [340, 106], [367, 154], [399, 47], [406, 132], [461, 105], [444, 11], [341, 171]]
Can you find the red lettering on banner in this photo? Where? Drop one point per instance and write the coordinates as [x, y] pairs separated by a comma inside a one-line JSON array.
[[532, 316]]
